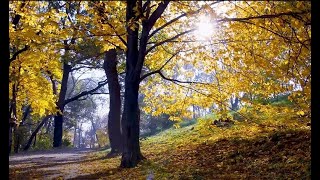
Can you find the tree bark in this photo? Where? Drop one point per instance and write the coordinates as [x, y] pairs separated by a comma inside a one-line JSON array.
[[16, 140], [134, 62], [58, 119], [11, 126], [75, 135], [58, 130], [131, 155], [79, 131], [12, 115], [114, 125], [34, 133]]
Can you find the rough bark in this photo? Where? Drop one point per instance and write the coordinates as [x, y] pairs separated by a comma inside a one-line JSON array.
[[35, 132], [114, 125]]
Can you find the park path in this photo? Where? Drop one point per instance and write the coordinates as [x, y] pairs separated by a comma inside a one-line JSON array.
[[52, 164]]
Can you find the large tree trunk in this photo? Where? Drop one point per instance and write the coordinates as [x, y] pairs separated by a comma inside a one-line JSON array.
[[134, 61], [130, 127], [58, 119], [114, 125], [34, 133], [130, 118]]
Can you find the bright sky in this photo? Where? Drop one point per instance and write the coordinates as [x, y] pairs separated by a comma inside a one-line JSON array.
[[205, 28], [101, 100]]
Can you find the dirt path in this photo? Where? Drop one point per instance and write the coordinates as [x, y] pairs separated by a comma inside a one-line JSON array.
[[53, 164]]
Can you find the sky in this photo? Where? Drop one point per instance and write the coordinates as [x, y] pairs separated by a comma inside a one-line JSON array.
[[102, 100]]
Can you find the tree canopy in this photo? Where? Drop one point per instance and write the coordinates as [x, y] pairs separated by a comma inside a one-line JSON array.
[[180, 54]]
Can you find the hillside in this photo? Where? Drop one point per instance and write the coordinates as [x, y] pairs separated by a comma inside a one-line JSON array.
[[255, 151]]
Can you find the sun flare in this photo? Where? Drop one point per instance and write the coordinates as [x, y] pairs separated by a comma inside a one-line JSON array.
[[205, 28]]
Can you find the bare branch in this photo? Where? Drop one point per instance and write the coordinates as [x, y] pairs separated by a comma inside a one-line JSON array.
[[168, 40], [178, 81], [88, 67], [176, 19], [84, 93]]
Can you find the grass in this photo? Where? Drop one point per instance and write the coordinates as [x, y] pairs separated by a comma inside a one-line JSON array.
[[243, 151]]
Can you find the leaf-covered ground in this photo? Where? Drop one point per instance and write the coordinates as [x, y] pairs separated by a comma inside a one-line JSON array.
[[244, 151]]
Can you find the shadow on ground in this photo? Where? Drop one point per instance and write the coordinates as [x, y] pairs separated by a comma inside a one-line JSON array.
[[277, 155]]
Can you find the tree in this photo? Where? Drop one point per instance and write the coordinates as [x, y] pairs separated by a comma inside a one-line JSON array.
[[114, 127], [261, 49]]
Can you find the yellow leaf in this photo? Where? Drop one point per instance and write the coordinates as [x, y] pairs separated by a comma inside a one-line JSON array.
[[301, 113]]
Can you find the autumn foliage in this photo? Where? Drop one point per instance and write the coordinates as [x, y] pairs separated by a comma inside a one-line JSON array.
[[256, 52]]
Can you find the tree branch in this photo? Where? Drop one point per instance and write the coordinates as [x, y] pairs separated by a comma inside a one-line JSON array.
[[119, 36], [168, 40], [84, 93], [26, 47], [88, 67], [157, 71], [265, 16], [178, 81], [221, 102], [177, 18], [156, 14]]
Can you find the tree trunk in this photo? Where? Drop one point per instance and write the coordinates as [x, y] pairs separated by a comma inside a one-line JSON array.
[[16, 140], [33, 135], [95, 132], [35, 141], [58, 119], [114, 125], [10, 136], [131, 155], [12, 115], [234, 103], [58, 130], [134, 62], [17, 130], [75, 136], [131, 119], [79, 131]]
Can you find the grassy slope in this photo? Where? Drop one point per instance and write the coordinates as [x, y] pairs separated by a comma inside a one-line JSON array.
[[254, 151]]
